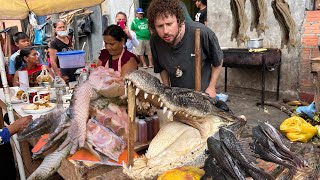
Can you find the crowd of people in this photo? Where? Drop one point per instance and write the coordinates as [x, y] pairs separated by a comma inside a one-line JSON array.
[[163, 38]]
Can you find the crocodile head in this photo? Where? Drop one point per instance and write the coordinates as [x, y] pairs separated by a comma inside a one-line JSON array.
[[181, 102], [180, 142]]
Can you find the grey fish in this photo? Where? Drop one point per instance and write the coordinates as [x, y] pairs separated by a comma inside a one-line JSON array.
[[223, 158], [42, 125], [233, 145], [50, 164], [265, 154], [266, 142], [212, 170], [274, 134]]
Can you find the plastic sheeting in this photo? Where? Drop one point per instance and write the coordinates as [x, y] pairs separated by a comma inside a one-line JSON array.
[[19, 9]]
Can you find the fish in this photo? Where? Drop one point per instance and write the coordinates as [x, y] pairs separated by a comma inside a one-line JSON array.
[[266, 142], [267, 155], [213, 170], [50, 164], [223, 158], [274, 134], [235, 149], [79, 114], [43, 125]]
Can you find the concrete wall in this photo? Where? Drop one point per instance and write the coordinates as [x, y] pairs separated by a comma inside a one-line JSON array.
[[127, 6], [220, 21]]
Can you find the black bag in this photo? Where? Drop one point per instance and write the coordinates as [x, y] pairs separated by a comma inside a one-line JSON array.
[[84, 25]]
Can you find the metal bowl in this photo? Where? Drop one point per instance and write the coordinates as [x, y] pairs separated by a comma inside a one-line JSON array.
[[255, 43]]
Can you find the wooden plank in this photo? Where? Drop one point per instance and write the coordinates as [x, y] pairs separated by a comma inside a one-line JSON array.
[[131, 122], [315, 65], [197, 60], [317, 93]]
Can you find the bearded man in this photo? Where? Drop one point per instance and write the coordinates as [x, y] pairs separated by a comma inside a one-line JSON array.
[[173, 49]]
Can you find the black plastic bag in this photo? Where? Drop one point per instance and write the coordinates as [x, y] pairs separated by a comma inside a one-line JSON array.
[[84, 25]]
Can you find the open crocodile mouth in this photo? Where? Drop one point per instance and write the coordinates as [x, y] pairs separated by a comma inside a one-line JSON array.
[[183, 103]]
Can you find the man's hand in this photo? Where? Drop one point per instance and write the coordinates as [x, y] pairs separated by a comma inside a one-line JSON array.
[[19, 124], [211, 91], [23, 122]]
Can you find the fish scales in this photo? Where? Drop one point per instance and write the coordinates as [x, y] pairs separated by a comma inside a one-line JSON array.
[[265, 154], [235, 149], [79, 109], [277, 139], [50, 164], [223, 158]]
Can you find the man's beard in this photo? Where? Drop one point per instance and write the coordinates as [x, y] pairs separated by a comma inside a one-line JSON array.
[[176, 36]]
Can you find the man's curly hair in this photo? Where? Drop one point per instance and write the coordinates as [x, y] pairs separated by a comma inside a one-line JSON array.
[[165, 8]]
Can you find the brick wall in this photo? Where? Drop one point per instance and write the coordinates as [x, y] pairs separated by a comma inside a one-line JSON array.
[[310, 41]]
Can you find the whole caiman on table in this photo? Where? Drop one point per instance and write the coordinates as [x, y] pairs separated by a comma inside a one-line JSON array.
[[242, 58]]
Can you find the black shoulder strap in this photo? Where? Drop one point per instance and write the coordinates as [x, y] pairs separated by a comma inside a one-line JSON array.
[[110, 61]]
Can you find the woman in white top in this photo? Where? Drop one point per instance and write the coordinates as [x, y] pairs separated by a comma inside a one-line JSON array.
[[132, 41]]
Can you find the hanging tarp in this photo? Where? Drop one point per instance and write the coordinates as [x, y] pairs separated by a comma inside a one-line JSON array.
[[19, 9]]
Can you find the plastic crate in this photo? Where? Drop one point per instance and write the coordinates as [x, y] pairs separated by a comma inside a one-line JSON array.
[[71, 59]]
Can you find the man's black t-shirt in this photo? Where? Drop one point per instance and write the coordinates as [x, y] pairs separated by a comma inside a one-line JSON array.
[[201, 16], [181, 57]]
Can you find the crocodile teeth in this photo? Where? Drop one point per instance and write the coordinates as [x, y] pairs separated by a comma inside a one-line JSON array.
[[137, 91], [161, 104], [129, 83], [169, 114], [187, 115], [174, 113], [158, 99], [152, 96], [145, 95], [165, 109]]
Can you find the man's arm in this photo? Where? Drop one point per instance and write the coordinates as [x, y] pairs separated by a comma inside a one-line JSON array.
[[211, 89], [165, 78]]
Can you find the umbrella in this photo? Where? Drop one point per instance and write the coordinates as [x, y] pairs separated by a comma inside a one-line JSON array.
[[19, 9]]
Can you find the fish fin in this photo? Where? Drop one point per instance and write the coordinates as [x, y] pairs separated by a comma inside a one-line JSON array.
[[249, 154]]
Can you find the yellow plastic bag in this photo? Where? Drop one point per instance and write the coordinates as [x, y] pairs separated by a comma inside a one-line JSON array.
[[297, 129], [186, 172]]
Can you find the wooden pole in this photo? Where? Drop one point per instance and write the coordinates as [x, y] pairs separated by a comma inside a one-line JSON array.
[[131, 120], [197, 60], [10, 113]]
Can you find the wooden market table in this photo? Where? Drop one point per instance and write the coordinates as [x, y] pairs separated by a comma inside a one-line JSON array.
[[69, 169]]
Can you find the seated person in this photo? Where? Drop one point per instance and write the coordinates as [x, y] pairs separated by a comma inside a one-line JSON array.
[[21, 40], [121, 59], [30, 58]]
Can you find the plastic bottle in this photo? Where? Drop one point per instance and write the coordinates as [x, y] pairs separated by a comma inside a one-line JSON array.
[[83, 76], [143, 130], [149, 122], [156, 124]]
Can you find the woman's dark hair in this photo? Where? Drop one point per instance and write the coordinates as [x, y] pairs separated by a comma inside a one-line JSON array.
[[164, 8], [116, 32], [25, 52], [54, 25]]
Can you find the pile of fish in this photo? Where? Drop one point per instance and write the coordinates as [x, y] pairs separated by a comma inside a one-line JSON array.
[[268, 144], [231, 157]]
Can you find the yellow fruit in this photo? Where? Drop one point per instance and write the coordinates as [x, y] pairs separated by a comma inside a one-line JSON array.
[[182, 173]]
